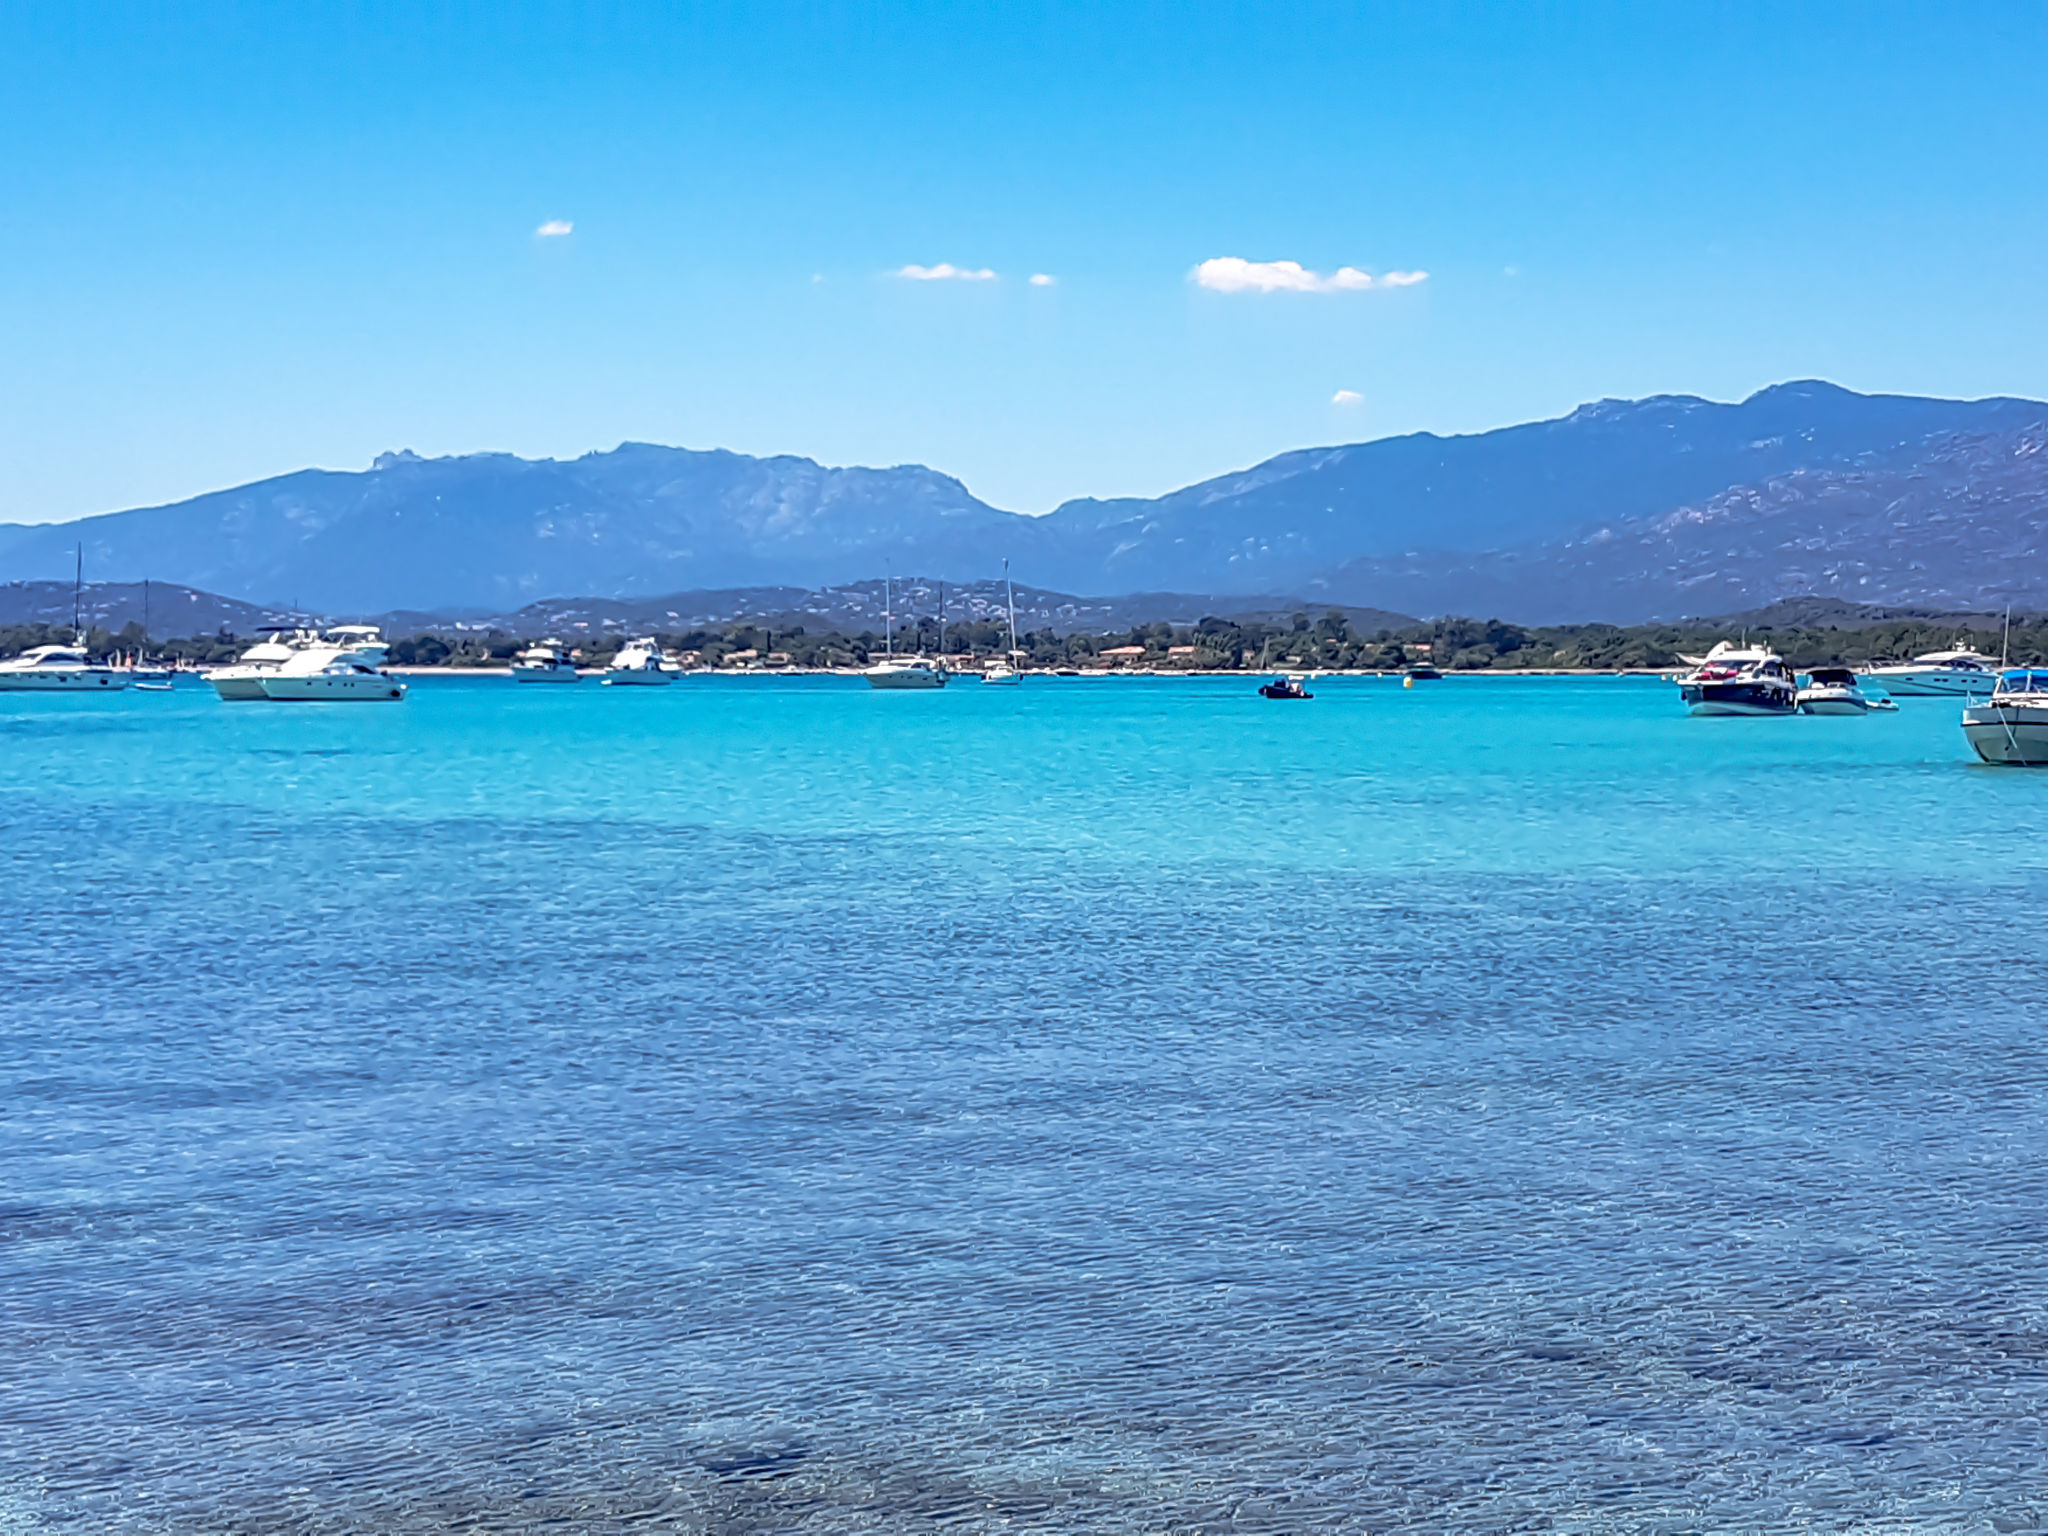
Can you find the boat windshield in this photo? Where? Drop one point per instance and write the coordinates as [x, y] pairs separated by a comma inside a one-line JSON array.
[[2023, 682]]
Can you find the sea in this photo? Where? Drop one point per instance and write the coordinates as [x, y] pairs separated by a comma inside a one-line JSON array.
[[767, 1105]]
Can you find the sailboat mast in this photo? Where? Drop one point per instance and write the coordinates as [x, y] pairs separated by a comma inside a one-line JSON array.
[[1010, 599], [77, 590], [942, 619], [888, 617]]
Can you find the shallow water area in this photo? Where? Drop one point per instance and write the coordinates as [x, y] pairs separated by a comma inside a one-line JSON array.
[[1130, 1105]]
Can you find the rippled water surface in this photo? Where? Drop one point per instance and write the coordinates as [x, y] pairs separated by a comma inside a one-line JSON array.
[[770, 1106]]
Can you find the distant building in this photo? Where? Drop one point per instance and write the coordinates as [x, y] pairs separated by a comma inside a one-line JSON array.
[[1121, 655]]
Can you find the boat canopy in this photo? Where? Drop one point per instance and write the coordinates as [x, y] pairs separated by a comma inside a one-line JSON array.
[[2023, 680]]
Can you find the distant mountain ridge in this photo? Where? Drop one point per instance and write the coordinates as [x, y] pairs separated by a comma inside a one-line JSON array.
[[1621, 510]]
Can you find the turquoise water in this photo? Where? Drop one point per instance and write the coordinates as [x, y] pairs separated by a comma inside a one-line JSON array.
[[767, 1105]]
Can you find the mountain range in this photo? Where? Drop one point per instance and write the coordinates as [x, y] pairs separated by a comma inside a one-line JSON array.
[[1622, 510]]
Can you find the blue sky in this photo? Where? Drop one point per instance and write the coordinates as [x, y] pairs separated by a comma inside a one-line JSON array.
[[243, 239]]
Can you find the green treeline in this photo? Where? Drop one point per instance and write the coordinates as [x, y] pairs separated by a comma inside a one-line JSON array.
[[1303, 642]]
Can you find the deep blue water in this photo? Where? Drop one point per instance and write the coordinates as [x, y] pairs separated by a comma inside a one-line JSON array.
[[770, 1106]]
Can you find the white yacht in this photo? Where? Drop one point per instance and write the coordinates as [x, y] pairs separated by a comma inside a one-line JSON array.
[[58, 669], [1740, 680], [1834, 691], [298, 651], [544, 663], [243, 679], [2011, 726], [317, 675], [639, 664], [1005, 671], [1944, 674]]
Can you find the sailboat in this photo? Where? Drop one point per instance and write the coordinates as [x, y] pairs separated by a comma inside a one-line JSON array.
[[1005, 671], [912, 672], [62, 668]]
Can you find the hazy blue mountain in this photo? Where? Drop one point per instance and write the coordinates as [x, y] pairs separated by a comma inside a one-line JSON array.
[[1288, 524], [493, 531], [1955, 522], [1621, 509]]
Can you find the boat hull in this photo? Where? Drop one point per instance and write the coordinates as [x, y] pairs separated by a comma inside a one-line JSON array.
[[1933, 684], [636, 677], [906, 678], [546, 675], [2013, 737], [1739, 698], [1833, 699], [238, 684], [62, 680], [320, 688]]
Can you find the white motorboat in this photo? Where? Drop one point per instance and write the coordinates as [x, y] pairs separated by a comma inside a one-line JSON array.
[[544, 663], [1004, 673], [1943, 674], [58, 669], [1834, 691], [1740, 680], [2011, 726], [638, 665], [298, 651], [340, 677], [243, 679]]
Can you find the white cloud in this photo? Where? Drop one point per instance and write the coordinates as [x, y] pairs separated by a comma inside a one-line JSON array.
[[554, 229], [1233, 274], [1042, 279], [945, 270], [1347, 397]]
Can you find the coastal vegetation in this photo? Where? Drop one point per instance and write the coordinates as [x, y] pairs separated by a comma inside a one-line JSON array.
[[1303, 642]]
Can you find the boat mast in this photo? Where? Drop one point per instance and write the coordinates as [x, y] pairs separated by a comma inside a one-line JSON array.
[[77, 588], [942, 621], [888, 618], [1010, 598]]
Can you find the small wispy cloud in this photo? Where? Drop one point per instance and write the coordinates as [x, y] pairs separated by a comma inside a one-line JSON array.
[[554, 229], [945, 271], [1347, 397], [1233, 274], [1043, 280]]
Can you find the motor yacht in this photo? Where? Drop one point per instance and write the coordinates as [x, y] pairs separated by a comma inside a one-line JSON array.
[[58, 669], [544, 663], [243, 679], [1834, 691], [319, 676], [1740, 680], [638, 664], [303, 651], [1002, 673], [1944, 674], [2011, 726]]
